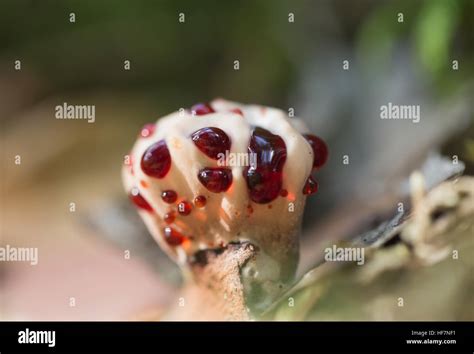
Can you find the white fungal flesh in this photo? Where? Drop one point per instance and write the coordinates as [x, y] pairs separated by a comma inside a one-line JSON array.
[[225, 216]]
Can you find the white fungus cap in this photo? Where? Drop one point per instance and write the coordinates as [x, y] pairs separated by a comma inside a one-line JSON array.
[[230, 215]]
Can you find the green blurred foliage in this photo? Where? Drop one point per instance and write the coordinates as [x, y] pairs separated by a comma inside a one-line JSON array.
[[183, 63], [436, 31]]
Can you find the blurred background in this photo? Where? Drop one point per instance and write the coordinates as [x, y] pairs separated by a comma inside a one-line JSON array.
[[283, 63]]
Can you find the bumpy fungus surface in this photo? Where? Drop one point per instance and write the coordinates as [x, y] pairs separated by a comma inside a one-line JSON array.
[[222, 173]]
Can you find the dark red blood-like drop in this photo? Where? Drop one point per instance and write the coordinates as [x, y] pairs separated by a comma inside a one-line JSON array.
[[169, 217], [320, 150], [169, 196], [184, 208], [139, 201], [156, 161], [200, 201], [265, 179], [215, 180], [284, 193], [147, 130], [201, 109], [310, 187], [211, 141], [173, 237]]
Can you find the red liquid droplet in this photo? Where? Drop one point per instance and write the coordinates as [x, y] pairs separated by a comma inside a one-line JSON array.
[[147, 130], [249, 209], [320, 150], [215, 180], [200, 201], [201, 109], [169, 196], [173, 237], [169, 217], [310, 187], [284, 193], [237, 111], [265, 179], [184, 208], [139, 201], [211, 141], [156, 161]]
